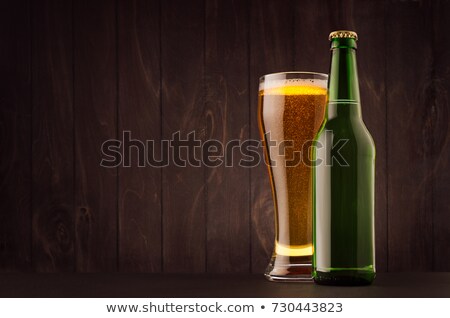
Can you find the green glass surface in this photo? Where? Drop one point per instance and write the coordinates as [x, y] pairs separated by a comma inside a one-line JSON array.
[[344, 248]]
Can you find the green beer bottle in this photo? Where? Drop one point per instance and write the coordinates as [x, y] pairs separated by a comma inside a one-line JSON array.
[[344, 247]]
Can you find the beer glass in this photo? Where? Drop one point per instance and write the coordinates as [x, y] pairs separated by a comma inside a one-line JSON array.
[[291, 110]]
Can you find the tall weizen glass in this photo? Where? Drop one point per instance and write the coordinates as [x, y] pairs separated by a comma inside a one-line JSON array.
[[291, 109]]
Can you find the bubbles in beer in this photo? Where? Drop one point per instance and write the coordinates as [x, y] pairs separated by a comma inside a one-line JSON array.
[[292, 110]]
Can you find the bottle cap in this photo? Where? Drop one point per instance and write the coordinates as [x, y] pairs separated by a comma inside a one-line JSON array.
[[343, 34]]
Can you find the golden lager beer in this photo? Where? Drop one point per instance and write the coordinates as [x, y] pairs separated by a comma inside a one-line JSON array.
[[291, 111]]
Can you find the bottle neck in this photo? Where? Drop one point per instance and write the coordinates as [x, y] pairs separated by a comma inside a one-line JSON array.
[[343, 87]]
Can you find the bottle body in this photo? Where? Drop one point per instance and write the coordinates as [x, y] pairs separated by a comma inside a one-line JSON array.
[[344, 204], [344, 176]]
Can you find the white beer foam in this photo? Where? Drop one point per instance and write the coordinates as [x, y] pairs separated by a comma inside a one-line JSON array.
[[269, 84]]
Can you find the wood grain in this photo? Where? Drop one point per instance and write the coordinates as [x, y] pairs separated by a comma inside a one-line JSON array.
[[53, 202], [271, 50], [312, 48], [440, 117], [410, 136], [369, 24], [95, 104], [183, 188], [15, 141], [312, 54], [75, 74], [139, 113], [227, 115]]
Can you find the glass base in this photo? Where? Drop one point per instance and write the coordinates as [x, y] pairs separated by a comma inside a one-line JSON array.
[[289, 269]]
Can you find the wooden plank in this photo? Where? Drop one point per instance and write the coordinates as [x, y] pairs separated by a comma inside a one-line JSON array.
[[312, 54], [312, 48], [139, 113], [15, 127], [369, 21], [53, 202], [183, 188], [409, 136], [228, 230], [439, 110], [271, 50], [95, 104]]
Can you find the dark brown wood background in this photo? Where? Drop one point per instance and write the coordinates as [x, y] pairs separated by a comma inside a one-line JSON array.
[[76, 73]]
